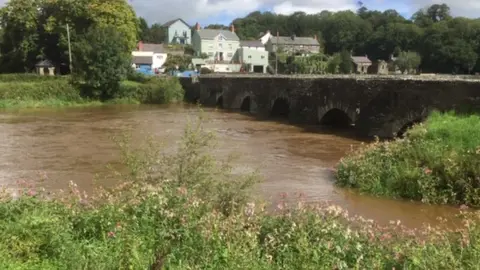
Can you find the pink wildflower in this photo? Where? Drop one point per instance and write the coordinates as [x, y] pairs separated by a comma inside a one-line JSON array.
[[111, 234], [427, 171]]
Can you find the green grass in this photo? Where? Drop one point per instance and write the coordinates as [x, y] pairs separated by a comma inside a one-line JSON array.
[[437, 162], [187, 210], [34, 91]]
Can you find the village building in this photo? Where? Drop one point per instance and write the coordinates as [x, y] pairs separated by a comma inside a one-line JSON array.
[[178, 32], [293, 45], [149, 58], [361, 64]]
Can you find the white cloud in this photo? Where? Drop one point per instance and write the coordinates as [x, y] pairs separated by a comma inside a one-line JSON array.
[[312, 6]]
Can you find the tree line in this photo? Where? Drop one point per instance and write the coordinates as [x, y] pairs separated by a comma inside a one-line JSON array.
[[36, 29], [445, 43]]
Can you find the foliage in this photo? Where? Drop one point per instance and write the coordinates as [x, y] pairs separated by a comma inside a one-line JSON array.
[[205, 70], [35, 30], [102, 61], [185, 210], [346, 64], [408, 61], [445, 44], [312, 64], [153, 90], [180, 61], [40, 88], [437, 162]]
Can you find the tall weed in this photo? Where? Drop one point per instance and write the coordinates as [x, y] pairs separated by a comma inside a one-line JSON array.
[[183, 209], [437, 162]]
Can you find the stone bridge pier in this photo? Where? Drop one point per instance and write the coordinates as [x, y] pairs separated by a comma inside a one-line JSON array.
[[376, 105]]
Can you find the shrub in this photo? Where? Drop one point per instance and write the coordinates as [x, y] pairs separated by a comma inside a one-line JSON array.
[[186, 210], [29, 77], [157, 90], [205, 70], [437, 162], [39, 89]]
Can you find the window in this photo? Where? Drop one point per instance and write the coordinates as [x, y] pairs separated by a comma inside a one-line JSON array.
[[220, 45], [249, 56], [230, 46], [210, 54], [210, 46], [263, 57], [229, 54], [221, 38]]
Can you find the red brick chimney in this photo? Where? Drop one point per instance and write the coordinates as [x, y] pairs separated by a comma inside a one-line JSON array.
[[232, 28], [197, 26], [140, 45]]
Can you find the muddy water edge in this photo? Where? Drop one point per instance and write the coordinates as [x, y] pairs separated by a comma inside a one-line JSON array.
[[56, 146]]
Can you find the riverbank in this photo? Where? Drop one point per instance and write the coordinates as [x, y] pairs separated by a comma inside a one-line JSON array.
[[33, 91], [437, 162], [188, 210]]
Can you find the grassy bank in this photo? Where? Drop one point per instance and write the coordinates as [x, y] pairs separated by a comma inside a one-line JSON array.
[[187, 210], [437, 162], [31, 91]]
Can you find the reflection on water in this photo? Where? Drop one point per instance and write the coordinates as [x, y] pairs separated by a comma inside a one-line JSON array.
[[75, 144]]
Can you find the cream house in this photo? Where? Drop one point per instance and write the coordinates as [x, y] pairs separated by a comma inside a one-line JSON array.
[[218, 45]]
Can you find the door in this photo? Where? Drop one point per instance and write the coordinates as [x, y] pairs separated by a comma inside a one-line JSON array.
[[220, 56]]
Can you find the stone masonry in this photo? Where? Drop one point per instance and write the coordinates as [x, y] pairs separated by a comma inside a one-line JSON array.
[[375, 105]]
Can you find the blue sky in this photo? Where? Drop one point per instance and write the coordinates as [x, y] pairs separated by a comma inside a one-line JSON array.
[[223, 11]]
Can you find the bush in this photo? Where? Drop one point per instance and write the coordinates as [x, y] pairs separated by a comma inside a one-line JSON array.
[[437, 162], [205, 70], [29, 77], [186, 210], [38, 89], [156, 90]]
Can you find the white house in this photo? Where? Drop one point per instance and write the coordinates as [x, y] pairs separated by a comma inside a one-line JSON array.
[[265, 38], [151, 55], [252, 44]]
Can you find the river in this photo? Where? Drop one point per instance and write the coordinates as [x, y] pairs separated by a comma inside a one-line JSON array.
[[56, 146]]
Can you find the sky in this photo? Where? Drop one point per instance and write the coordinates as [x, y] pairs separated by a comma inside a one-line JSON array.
[[224, 11]]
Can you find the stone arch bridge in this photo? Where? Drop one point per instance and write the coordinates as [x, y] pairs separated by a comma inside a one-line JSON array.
[[376, 105]]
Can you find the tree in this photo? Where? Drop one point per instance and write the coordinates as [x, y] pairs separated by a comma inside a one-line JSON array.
[[36, 29], [345, 65], [143, 29], [408, 61], [102, 59]]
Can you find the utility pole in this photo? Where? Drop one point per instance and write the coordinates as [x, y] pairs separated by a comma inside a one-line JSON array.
[[276, 56], [69, 50]]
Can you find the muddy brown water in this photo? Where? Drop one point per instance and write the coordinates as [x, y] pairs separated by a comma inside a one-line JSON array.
[[56, 146]]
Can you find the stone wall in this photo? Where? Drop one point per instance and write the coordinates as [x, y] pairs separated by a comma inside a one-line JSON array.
[[376, 105]]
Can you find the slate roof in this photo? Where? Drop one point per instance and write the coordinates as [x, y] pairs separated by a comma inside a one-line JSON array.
[[167, 24], [361, 60], [251, 43], [142, 60], [152, 47], [282, 40], [44, 63], [212, 33]]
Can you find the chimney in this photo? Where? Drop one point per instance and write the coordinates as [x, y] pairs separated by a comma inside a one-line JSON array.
[[293, 37], [232, 28], [268, 31], [197, 26], [140, 45], [315, 37]]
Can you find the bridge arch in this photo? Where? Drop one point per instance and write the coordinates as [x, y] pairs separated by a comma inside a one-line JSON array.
[[246, 105], [219, 102], [336, 114], [280, 108], [400, 127], [336, 118]]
